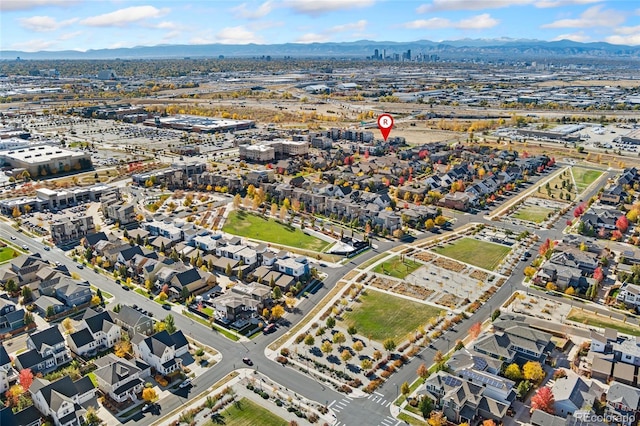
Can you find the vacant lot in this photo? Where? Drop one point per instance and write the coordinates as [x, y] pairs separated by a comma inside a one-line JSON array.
[[589, 318], [256, 227], [560, 188], [535, 214], [247, 413], [397, 268], [584, 177], [379, 316], [483, 254]]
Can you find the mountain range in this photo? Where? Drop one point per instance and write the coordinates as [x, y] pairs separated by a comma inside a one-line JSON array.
[[503, 48]]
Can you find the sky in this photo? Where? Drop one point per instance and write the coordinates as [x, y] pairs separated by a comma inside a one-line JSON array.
[[33, 25]]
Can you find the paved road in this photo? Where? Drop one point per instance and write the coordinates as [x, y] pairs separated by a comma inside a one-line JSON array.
[[374, 409]]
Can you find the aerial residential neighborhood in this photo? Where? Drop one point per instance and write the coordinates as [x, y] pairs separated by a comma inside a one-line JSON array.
[[319, 229]]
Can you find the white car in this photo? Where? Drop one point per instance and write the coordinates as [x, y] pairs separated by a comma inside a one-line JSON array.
[[185, 384]]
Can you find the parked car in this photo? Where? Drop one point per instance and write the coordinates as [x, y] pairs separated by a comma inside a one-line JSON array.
[[269, 329], [81, 266], [166, 306], [185, 384]]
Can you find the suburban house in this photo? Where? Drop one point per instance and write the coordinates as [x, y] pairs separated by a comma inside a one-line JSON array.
[[119, 378], [513, 341], [161, 350], [46, 351], [573, 393], [623, 401], [7, 373], [629, 294], [471, 396], [97, 331], [133, 321], [296, 267], [11, 318], [193, 280], [61, 399]]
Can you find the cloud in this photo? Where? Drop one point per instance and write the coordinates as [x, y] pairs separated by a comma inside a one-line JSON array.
[[41, 24], [359, 26], [579, 37], [11, 5], [320, 7], [443, 5], [631, 39], [248, 11], [34, 45], [124, 17], [478, 22], [627, 30], [69, 36], [593, 17], [313, 38], [237, 35]]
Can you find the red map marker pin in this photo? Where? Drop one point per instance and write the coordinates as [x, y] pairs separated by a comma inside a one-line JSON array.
[[385, 123]]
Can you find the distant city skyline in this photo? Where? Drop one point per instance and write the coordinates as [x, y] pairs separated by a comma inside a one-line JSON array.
[[34, 25]]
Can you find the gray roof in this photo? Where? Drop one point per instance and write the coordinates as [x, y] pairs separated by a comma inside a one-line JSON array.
[[619, 393], [81, 338], [115, 369]]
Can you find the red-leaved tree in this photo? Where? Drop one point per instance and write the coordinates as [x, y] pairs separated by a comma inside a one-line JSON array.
[[475, 329], [25, 377], [622, 224], [598, 274], [578, 211], [543, 400]]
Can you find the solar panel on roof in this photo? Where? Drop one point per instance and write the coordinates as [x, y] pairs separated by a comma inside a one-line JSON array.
[[451, 381], [479, 363]]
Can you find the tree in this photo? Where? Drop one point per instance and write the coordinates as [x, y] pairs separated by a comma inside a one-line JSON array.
[[277, 293], [331, 322], [570, 291], [169, 324], [326, 347], [277, 312], [228, 270], [16, 212], [352, 330], [512, 372], [28, 318], [474, 330], [122, 348], [438, 358], [346, 355], [377, 355], [422, 371], [598, 274], [533, 371], [366, 364], [149, 395], [622, 224], [309, 340], [13, 395], [425, 406], [237, 201], [543, 400], [25, 377], [50, 311], [440, 220], [488, 422], [389, 344], [436, 418], [27, 294], [67, 323], [91, 416], [339, 338], [405, 389]]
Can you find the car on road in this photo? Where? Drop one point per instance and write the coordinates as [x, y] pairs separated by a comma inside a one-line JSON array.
[[166, 306], [117, 281], [125, 287], [185, 384], [81, 266], [47, 248], [13, 237], [247, 361], [25, 247], [269, 329], [58, 263]]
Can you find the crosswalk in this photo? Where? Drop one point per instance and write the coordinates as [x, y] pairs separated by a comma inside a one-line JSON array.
[[340, 405], [379, 398], [387, 421]]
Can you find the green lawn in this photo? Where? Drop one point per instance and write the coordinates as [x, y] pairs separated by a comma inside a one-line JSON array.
[[397, 268], [584, 177], [247, 413], [483, 254], [379, 316], [589, 318], [7, 253], [535, 214], [256, 227]]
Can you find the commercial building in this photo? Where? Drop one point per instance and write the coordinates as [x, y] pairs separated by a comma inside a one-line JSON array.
[[46, 160], [192, 123], [273, 150]]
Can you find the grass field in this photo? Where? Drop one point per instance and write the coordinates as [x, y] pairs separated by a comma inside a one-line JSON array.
[[535, 214], [589, 318], [483, 254], [248, 413], [584, 177], [380, 316], [259, 228], [554, 190], [397, 268], [7, 253]]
